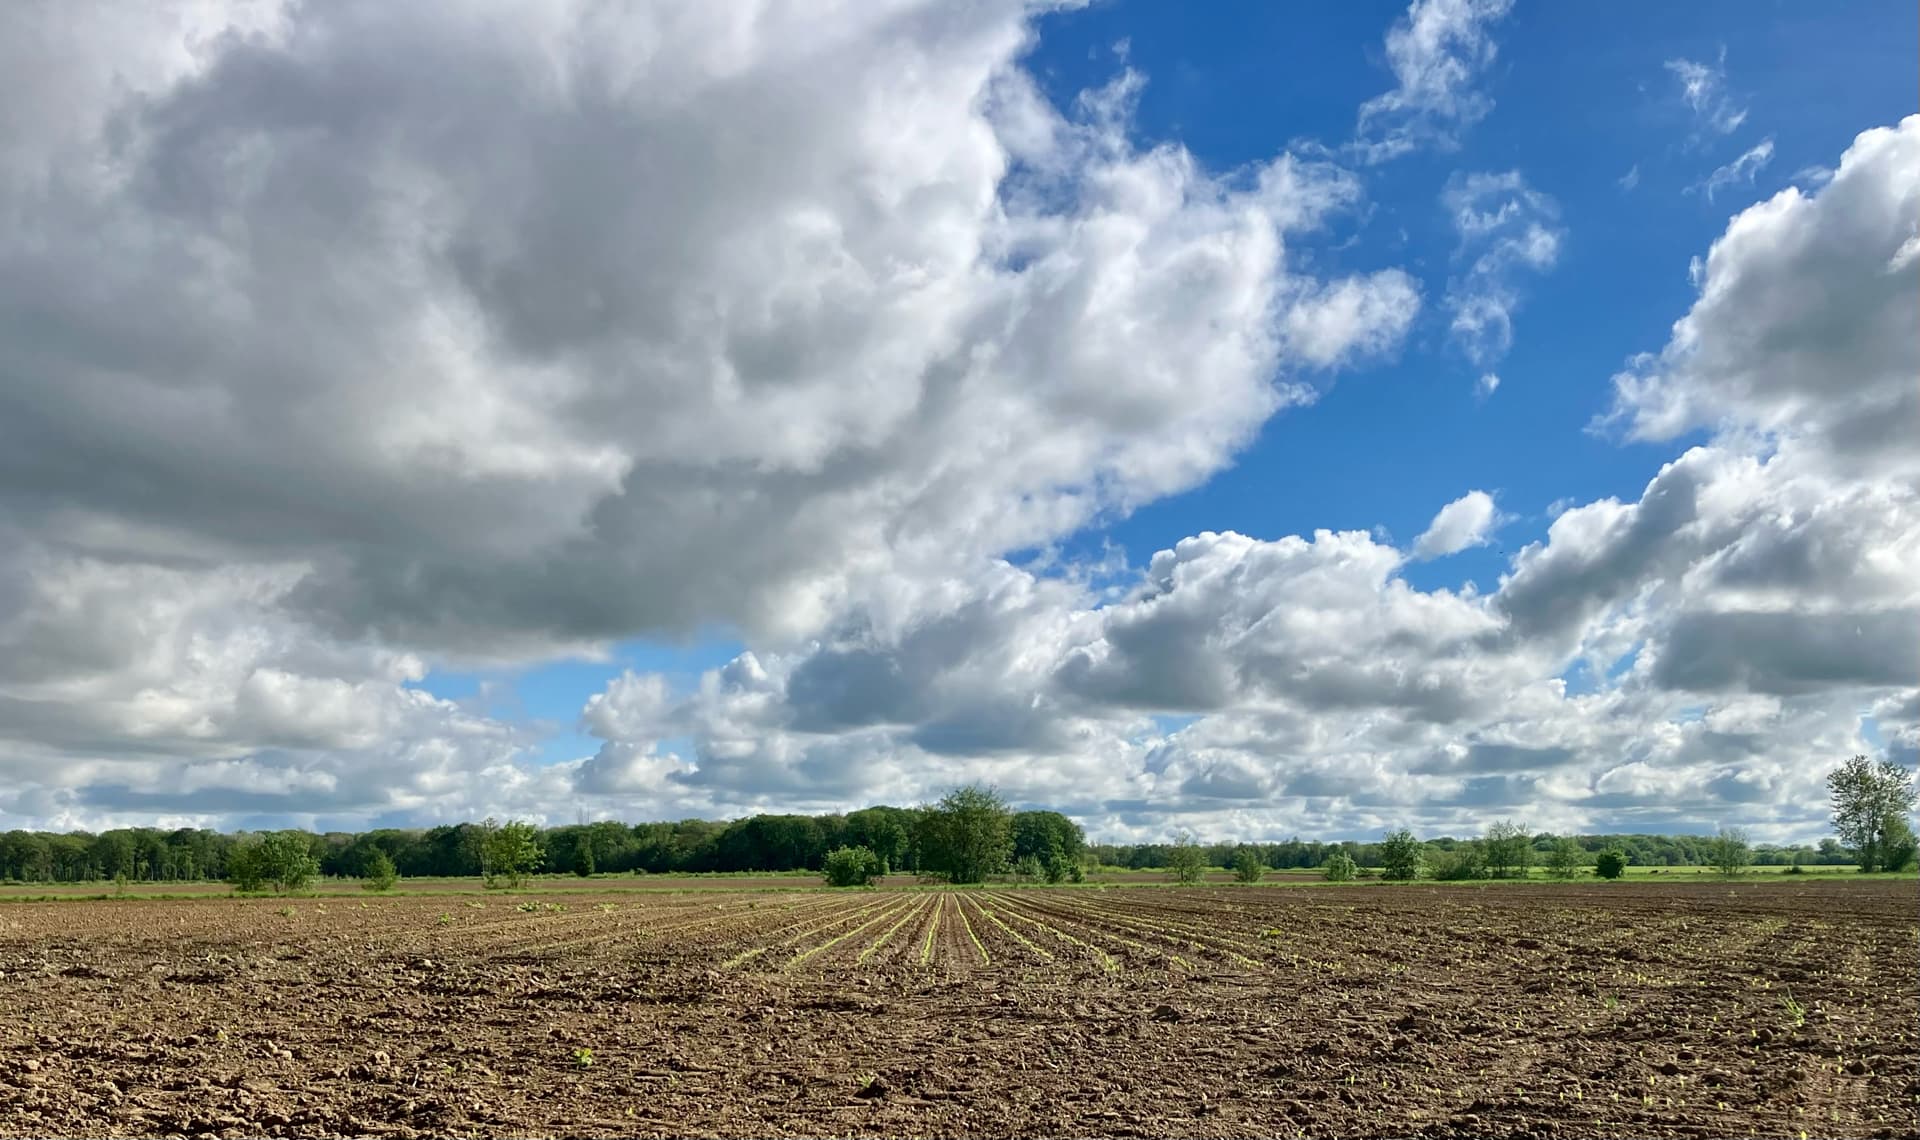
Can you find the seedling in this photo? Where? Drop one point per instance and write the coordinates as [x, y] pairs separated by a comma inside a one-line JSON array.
[[583, 1057], [1796, 1013]]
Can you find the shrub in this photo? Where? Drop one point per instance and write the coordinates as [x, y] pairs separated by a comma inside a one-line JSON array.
[[1338, 868], [1564, 858], [1029, 869], [1611, 864], [379, 874], [1467, 861], [1400, 855], [583, 864], [851, 867], [1248, 867]]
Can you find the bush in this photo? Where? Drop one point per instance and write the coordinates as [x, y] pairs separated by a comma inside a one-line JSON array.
[[1611, 864], [1564, 858], [852, 867], [1339, 868], [379, 874], [583, 863], [1029, 869], [1467, 861], [1248, 867]]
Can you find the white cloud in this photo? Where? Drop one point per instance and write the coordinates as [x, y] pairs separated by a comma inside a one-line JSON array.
[[1703, 88], [329, 329], [371, 340], [1487, 385], [1506, 228], [1735, 623], [1465, 522], [1438, 52], [1740, 170], [1800, 328], [1630, 179]]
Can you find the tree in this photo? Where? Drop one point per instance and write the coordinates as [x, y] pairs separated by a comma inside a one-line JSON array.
[[1400, 855], [1186, 862], [1870, 806], [1248, 867], [247, 865], [968, 835], [1339, 867], [1509, 851], [1898, 844], [380, 874], [282, 859], [1049, 838], [1611, 863], [1564, 858], [886, 831], [509, 852], [583, 861], [1729, 853], [852, 867]]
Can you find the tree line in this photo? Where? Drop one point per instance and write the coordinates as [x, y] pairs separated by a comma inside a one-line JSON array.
[[968, 835]]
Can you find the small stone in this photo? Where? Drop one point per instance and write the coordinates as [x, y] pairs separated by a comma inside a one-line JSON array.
[[382, 1057], [30, 1065], [1669, 1069]]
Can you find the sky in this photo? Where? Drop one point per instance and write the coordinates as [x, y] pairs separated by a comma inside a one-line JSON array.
[[1247, 419]]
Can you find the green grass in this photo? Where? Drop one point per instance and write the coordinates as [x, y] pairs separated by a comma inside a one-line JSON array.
[[808, 881]]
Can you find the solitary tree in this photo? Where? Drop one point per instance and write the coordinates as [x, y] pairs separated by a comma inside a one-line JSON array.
[[1611, 863], [1870, 806], [1248, 867], [1728, 852], [1400, 855], [968, 835], [1564, 858], [1508, 851], [1187, 863], [1338, 868], [509, 852]]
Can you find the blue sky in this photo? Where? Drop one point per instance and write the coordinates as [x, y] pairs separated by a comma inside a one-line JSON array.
[[1246, 418]]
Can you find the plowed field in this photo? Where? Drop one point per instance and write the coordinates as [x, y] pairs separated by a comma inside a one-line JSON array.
[[1690, 1009]]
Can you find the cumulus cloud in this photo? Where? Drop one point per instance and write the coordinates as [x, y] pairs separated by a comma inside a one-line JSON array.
[[1438, 52], [1806, 320], [1506, 229], [499, 337], [346, 342], [1734, 630], [1465, 522]]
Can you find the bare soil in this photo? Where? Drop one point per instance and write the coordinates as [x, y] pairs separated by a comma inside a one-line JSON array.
[[1628, 1009]]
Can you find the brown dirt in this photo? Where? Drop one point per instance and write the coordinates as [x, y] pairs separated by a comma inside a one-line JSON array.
[[1623, 1009]]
